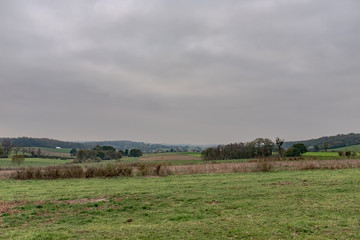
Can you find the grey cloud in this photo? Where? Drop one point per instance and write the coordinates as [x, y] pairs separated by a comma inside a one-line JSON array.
[[179, 71]]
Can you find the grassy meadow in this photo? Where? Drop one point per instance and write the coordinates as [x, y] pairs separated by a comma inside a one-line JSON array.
[[323, 155], [32, 162], [319, 204]]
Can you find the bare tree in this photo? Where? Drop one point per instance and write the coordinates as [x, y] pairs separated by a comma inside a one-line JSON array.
[[17, 159], [7, 146], [279, 142], [24, 150], [17, 149]]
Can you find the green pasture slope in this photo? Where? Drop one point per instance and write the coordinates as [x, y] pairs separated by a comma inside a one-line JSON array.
[[322, 204], [353, 148], [32, 162]]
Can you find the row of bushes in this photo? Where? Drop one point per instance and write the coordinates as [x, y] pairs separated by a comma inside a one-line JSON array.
[[102, 171], [73, 171]]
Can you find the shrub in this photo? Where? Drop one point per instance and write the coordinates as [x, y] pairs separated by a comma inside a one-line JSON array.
[[292, 152], [17, 159], [56, 172], [264, 165], [301, 147], [135, 153]]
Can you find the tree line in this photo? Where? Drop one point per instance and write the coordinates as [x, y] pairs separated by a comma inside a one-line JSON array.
[[258, 148], [99, 153]]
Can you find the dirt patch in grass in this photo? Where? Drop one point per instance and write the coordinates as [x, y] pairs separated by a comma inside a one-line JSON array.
[[83, 201], [170, 158], [7, 207], [282, 183], [213, 203]]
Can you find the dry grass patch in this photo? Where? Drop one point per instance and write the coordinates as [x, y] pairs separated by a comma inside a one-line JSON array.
[[83, 201], [170, 158], [262, 166]]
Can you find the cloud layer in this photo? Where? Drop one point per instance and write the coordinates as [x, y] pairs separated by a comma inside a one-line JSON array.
[[179, 71]]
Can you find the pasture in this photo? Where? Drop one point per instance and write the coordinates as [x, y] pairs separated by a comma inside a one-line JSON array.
[[318, 204], [322, 155], [32, 162]]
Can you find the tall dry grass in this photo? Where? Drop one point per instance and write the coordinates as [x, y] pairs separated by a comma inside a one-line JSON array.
[[263, 166], [117, 170]]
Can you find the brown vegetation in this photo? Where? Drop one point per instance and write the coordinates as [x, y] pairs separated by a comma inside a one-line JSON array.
[[150, 169], [263, 165], [74, 171], [170, 157]]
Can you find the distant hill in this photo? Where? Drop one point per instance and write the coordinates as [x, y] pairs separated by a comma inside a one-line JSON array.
[[338, 141], [353, 148], [145, 147], [119, 145], [43, 142]]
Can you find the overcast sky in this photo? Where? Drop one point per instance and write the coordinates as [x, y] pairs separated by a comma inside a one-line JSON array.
[[170, 71]]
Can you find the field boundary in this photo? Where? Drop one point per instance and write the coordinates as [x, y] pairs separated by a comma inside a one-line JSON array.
[[261, 165]]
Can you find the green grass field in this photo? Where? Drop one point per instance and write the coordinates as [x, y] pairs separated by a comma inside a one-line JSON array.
[[33, 162], [321, 204], [323, 155], [354, 148]]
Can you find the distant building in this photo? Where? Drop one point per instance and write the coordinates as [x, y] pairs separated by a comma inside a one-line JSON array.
[[58, 147]]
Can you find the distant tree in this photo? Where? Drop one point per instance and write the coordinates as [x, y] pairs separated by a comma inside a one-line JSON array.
[[38, 152], [135, 153], [292, 152], [263, 147], [23, 150], [108, 148], [101, 155], [341, 153], [119, 154], [7, 146], [83, 155], [279, 142], [73, 152], [1, 151], [325, 146], [126, 152], [301, 147], [96, 148], [316, 148], [16, 149], [17, 159]]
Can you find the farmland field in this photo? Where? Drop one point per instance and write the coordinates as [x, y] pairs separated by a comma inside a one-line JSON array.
[[55, 150], [33, 162], [319, 204], [323, 155]]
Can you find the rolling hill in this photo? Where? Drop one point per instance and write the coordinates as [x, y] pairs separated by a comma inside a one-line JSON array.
[[338, 141]]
